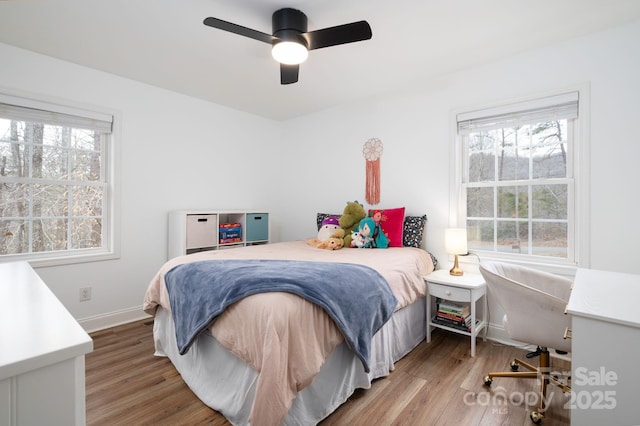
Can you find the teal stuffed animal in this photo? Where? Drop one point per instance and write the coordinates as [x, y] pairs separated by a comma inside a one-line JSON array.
[[368, 234], [352, 214]]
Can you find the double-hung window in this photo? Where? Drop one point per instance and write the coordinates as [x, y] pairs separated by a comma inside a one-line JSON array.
[[517, 181], [55, 182]]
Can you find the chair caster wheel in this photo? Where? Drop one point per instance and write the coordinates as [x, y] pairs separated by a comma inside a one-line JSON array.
[[514, 366], [536, 417], [487, 381]]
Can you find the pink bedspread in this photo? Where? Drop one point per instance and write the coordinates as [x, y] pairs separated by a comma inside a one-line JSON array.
[[282, 336]]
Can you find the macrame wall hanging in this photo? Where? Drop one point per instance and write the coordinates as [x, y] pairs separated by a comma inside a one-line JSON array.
[[372, 151]]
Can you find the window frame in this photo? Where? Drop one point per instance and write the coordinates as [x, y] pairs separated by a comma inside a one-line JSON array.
[[578, 213], [110, 216]]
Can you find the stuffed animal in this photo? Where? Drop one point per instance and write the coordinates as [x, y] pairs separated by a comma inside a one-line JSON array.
[[334, 242], [381, 239], [369, 235], [357, 239], [329, 226], [328, 244], [352, 214]]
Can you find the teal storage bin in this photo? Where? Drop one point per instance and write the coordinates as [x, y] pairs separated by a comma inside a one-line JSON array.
[[257, 227]]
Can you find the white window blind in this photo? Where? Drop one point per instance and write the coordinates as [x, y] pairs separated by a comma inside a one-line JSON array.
[[563, 106], [21, 109]]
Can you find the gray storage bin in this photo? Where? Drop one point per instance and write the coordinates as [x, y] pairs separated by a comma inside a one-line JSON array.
[[202, 231]]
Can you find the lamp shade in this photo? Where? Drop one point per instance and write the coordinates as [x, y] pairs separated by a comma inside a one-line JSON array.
[[455, 241], [289, 52]]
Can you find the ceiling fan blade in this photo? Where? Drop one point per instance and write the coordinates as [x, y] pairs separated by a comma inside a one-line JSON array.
[[289, 73], [341, 34], [240, 30]]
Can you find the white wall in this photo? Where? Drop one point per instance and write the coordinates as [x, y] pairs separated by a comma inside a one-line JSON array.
[[417, 136], [178, 152]]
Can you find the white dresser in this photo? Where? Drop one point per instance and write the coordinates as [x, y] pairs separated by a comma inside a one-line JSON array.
[[605, 379], [42, 350]]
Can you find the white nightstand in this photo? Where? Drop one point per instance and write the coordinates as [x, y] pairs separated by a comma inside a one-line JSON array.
[[468, 288]]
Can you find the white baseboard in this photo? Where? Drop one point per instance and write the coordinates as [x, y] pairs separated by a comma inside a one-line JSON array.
[[112, 319]]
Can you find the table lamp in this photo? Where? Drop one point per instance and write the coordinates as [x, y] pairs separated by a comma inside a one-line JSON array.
[[455, 241]]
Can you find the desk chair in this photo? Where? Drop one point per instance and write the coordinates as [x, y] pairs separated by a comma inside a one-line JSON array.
[[534, 303]]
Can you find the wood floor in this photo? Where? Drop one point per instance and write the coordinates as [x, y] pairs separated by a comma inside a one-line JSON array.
[[436, 384]]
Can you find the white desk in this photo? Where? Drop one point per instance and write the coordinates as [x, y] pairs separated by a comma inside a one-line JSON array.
[[605, 379], [41, 353]]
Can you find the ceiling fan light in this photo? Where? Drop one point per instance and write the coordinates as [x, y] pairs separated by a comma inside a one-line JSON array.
[[289, 53]]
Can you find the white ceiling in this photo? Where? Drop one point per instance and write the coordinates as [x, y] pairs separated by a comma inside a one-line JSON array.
[[164, 43]]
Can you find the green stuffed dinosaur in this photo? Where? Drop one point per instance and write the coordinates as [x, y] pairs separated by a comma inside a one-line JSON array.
[[351, 216]]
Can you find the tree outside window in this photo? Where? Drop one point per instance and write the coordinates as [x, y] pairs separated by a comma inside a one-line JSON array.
[[53, 187], [517, 189]]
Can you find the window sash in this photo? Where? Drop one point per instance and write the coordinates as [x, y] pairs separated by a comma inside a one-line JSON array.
[[529, 221], [528, 182]]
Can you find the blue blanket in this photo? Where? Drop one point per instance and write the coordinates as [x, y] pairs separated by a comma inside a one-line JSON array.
[[356, 297]]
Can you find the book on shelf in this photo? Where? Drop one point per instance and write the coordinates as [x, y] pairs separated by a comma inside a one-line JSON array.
[[454, 324], [453, 308], [454, 318]]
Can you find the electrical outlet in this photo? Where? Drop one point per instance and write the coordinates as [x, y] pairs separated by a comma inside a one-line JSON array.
[[85, 294]]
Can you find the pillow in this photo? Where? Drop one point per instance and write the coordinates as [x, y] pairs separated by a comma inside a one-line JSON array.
[[391, 222], [413, 230], [434, 260], [322, 216]]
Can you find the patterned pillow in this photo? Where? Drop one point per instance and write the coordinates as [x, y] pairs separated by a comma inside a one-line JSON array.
[[391, 221], [413, 231]]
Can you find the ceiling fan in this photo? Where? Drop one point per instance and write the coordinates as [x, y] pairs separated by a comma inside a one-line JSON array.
[[291, 41]]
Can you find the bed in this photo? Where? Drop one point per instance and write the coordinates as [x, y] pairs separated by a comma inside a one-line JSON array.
[[274, 357]]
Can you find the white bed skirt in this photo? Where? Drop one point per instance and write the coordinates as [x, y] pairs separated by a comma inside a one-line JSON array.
[[227, 384]]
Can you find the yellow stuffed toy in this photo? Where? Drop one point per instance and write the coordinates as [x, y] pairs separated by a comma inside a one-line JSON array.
[[334, 242]]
